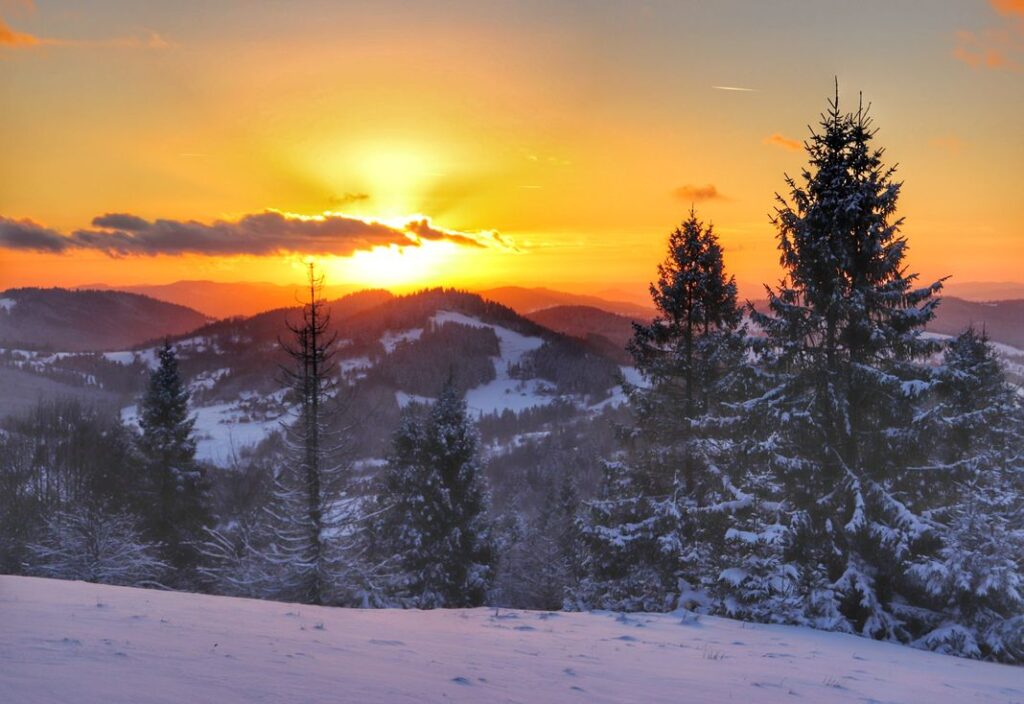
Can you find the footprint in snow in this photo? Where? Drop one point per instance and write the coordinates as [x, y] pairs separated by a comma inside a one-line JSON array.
[[464, 681]]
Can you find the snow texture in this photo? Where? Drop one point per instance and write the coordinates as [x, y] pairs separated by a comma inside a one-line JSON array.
[[221, 431], [77, 643]]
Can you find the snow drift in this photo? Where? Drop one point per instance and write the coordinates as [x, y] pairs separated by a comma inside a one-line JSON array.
[[84, 643]]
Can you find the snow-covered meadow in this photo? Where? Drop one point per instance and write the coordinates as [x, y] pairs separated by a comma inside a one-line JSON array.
[[84, 643]]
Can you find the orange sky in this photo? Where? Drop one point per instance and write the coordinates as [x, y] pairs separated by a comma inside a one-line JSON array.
[[566, 138]]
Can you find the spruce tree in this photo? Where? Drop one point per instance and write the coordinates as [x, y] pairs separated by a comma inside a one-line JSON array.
[[976, 579], [830, 476], [650, 534], [433, 533], [174, 480]]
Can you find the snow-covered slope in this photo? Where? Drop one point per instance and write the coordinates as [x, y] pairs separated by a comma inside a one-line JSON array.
[[503, 392], [83, 643]]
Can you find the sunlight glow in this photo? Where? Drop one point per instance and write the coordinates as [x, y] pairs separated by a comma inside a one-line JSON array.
[[393, 267]]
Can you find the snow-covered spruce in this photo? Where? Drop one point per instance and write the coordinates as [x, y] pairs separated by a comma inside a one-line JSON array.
[[174, 482], [432, 537], [654, 526], [974, 484]]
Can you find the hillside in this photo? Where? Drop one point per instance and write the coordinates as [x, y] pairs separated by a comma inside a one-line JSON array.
[[391, 351], [1003, 321], [218, 299], [602, 329], [79, 321], [72, 642]]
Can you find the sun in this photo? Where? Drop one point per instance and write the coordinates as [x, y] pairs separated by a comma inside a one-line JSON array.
[[394, 267]]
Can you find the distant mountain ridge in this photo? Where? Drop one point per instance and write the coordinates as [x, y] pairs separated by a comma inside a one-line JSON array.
[[529, 300], [82, 321], [219, 299]]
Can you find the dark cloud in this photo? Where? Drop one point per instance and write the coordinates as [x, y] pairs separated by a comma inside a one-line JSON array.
[[696, 194], [425, 231], [264, 233], [27, 235], [270, 232], [120, 221]]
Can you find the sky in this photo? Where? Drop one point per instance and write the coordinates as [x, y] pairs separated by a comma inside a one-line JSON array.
[[406, 144]]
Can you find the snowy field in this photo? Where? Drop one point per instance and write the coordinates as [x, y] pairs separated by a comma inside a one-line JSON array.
[[84, 644]]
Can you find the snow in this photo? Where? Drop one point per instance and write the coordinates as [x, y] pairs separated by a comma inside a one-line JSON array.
[[72, 642], [221, 431], [391, 339], [503, 392], [147, 357], [7, 304], [404, 399]]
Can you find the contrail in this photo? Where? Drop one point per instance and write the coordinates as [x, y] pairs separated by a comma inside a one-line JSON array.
[[741, 90]]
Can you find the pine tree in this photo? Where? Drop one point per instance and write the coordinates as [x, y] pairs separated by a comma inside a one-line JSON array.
[[649, 536], [433, 531], [976, 579], [833, 528], [311, 517], [174, 480]]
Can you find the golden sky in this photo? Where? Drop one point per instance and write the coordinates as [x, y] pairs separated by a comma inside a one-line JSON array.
[[484, 143]]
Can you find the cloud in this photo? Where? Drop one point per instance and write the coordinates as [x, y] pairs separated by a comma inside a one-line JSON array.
[[696, 194], [31, 236], [995, 48], [267, 233], [348, 198], [425, 231], [1008, 7], [777, 140], [120, 221], [12, 39]]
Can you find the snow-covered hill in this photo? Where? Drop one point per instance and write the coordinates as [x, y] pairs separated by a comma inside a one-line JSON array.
[[83, 644]]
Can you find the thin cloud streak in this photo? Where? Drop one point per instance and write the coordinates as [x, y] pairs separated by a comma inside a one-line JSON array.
[[777, 140], [737, 89], [12, 39]]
